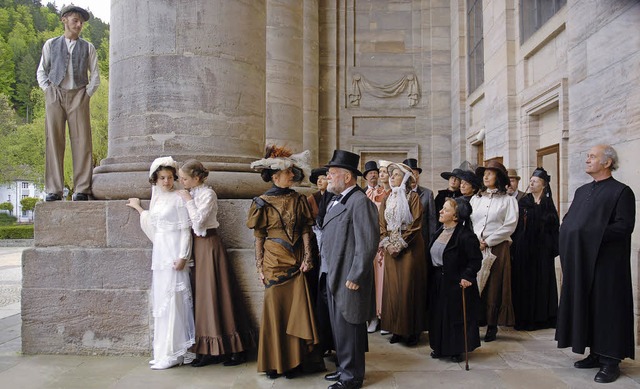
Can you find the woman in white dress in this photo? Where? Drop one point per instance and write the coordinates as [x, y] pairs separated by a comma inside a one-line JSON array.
[[166, 223]]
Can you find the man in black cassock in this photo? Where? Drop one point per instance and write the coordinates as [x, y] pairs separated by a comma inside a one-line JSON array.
[[596, 303]]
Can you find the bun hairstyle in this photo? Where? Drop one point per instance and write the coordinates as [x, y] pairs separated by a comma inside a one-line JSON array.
[[463, 211], [194, 168]]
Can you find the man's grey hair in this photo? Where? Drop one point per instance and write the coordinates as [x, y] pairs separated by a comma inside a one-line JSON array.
[[610, 153]]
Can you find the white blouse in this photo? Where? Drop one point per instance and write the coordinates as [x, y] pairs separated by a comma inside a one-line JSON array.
[[494, 217], [203, 209]]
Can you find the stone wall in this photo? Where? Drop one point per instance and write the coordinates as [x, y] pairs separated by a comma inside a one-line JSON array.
[[86, 282]]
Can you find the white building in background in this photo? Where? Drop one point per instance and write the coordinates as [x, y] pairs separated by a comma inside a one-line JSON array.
[[16, 191]]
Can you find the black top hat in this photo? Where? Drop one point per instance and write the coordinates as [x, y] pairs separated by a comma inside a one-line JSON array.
[[370, 166], [468, 176], [315, 173], [413, 164], [345, 160], [74, 8]]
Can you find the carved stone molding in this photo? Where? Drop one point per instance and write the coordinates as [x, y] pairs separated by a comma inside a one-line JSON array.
[[408, 82]]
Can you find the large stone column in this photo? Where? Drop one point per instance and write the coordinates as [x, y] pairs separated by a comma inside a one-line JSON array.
[[311, 79], [187, 80], [284, 99]]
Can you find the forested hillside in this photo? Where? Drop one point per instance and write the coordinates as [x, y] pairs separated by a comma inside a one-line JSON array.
[[24, 27]]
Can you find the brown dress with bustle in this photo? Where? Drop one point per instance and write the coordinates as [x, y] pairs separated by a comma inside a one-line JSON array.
[[222, 323], [288, 329]]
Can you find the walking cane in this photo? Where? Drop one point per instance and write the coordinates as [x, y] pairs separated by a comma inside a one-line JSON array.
[[464, 321]]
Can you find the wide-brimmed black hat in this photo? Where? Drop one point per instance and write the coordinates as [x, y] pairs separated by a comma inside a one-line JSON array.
[[413, 164], [496, 166], [315, 173], [75, 8], [369, 167], [345, 160], [468, 176]]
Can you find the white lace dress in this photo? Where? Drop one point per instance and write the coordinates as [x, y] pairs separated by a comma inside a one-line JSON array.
[[166, 223]]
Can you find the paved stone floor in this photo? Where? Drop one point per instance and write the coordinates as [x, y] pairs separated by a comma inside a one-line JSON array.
[[515, 360]]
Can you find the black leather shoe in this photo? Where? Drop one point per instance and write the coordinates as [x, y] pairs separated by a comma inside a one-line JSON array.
[[435, 355], [457, 358], [490, 336], [591, 361], [293, 373], [235, 360], [412, 340], [395, 339], [205, 360], [351, 384], [335, 376], [80, 197], [272, 374], [607, 373], [52, 197]]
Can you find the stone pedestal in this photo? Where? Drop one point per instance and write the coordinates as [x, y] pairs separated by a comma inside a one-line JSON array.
[[86, 282]]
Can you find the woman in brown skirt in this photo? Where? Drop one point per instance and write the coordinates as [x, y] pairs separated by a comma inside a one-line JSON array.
[[223, 331], [404, 295], [281, 219], [495, 217]]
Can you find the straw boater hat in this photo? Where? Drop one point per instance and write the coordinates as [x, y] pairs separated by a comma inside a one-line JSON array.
[[280, 158]]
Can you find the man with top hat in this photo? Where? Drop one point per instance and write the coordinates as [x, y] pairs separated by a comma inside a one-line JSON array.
[[514, 181], [373, 190], [429, 214], [68, 75], [350, 236]]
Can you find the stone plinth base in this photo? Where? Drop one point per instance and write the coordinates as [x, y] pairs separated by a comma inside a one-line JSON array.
[[86, 281]]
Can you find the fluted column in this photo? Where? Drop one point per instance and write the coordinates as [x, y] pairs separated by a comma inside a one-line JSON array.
[[187, 80], [311, 79], [284, 98]]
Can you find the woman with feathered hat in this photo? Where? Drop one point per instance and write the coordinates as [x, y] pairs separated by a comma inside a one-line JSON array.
[[282, 219]]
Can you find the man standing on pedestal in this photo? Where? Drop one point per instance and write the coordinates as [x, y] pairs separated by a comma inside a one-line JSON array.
[[350, 236], [62, 75], [596, 303]]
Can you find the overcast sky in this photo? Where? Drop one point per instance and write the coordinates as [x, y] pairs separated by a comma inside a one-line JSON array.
[[100, 8]]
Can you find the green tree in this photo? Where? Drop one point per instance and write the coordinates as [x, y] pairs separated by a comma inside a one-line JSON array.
[[29, 203], [6, 206], [7, 74]]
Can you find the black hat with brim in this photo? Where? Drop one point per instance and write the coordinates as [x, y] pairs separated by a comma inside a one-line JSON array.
[[413, 164], [316, 173], [75, 8], [369, 167], [346, 160], [468, 176]]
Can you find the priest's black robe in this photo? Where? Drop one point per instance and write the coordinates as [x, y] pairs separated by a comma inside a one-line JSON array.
[[596, 302], [533, 271]]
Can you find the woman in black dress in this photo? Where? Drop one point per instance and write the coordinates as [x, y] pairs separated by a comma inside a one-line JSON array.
[[455, 261], [535, 246]]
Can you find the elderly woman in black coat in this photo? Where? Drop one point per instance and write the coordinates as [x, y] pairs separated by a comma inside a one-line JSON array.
[[455, 261]]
